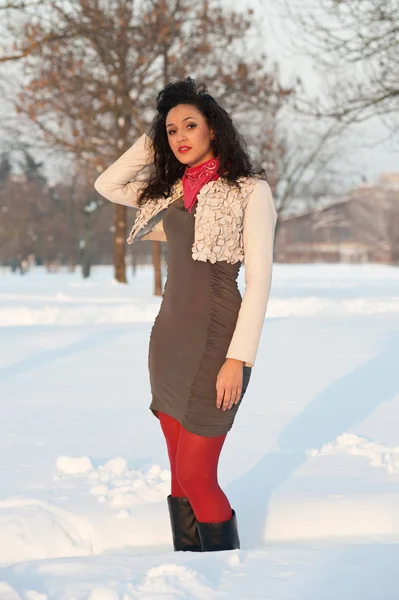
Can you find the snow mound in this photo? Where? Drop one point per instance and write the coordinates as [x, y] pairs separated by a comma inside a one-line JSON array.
[[170, 578], [62, 314], [114, 484], [107, 506], [84, 311], [32, 528], [314, 306], [7, 592], [355, 445], [123, 489], [33, 595], [74, 466], [103, 594]]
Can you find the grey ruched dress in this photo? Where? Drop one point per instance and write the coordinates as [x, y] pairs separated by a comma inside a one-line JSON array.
[[192, 332]]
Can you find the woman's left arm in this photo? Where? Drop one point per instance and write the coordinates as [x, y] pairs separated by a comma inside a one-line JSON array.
[[258, 237]]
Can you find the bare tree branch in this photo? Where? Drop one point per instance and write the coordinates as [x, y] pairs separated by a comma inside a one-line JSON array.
[[354, 44]]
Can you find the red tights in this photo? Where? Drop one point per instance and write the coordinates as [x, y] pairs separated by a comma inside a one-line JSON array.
[[193, 463]]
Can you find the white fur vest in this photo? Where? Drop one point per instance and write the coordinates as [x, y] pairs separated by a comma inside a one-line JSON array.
[[219, 219]]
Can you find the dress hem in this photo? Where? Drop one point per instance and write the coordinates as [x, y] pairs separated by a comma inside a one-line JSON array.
[[153, 409]]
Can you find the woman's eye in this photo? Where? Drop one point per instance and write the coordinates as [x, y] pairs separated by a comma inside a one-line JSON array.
[[189, 126]]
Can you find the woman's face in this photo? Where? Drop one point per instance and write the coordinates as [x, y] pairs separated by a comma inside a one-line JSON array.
[[189, 135]]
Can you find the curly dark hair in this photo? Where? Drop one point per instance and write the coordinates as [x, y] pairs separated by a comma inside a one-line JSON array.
[[228, 144]]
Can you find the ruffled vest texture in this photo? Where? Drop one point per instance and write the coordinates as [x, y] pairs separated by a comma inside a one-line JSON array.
[[219, 219]]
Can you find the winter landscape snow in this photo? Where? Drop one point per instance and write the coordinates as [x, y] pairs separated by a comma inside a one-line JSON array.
[[311, 465]]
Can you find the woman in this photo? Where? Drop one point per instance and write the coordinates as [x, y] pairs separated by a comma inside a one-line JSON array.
[[203, 197]]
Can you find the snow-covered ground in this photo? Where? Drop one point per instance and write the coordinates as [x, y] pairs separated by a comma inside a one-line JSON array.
[[311, 465]]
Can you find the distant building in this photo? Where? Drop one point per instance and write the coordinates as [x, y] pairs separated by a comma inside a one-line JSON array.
[[360, 226]]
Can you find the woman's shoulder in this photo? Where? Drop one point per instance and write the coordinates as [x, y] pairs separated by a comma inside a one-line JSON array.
[[260, 201], [244, 189], [251, 184]]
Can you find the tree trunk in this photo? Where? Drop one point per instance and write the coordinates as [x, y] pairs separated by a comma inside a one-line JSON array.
[[134, 263], [156, 259], [86, 263], [119, 242]]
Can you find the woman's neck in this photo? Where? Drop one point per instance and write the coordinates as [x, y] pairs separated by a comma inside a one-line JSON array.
[[200, 164]]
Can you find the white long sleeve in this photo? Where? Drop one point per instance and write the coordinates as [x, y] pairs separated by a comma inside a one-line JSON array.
[[258, 237], [122, 181]]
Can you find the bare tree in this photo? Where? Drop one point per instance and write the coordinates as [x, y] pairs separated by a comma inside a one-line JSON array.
[[311, 159], [91, 70], [354, 43], [52, 221], [29, 223]]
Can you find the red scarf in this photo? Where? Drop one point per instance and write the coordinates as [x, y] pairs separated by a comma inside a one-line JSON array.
[[195, 178]]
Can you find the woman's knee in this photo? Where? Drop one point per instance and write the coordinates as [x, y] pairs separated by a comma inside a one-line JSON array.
[[185, 474], [190, 478]]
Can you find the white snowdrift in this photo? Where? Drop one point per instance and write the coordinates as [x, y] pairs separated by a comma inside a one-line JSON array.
[[311, 465]]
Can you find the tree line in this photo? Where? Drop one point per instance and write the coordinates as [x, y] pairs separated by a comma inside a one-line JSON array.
[[87, 73]]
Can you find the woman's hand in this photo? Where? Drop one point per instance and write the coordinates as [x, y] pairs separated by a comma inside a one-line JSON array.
[[229, 383]]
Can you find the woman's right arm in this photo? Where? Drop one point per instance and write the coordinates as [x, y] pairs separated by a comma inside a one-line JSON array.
[[122, 181]]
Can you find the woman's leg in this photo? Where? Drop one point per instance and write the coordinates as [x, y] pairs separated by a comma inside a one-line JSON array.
[[171, 430], [196, 472], [182, 518]]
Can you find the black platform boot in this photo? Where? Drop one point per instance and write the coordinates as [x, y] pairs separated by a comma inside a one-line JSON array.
[[184, 526], [219, 536]]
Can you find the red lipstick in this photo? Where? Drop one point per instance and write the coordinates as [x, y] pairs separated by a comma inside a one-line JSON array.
[[183, 149]]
